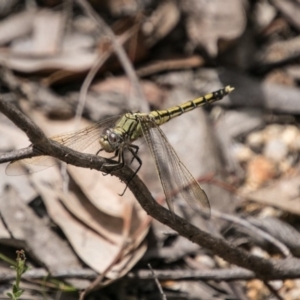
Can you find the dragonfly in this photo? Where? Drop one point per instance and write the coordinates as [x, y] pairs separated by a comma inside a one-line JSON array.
[[117, 134]]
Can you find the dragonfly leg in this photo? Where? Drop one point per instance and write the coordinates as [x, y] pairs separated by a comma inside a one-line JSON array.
[[134, 152], [119, 164], [112, 157], [98, 151], [133, 149]]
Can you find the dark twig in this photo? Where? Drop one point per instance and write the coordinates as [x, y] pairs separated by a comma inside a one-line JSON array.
[[264, 269], [18, 154], [45, 146], [162, 294], [273, 291]]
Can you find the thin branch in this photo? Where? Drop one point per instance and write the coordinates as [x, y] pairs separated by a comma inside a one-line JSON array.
[[119, 50], [92, 73], [18, 154], [283, 248], [216, 274], [273, 291], [162, 294], [34, 133], [264, 269], [38, 273]]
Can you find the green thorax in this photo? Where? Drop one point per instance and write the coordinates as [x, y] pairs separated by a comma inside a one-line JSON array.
[[130, 124]]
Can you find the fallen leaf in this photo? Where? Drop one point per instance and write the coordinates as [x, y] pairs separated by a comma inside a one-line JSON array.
[[283, 193], [35, 235], [211, 21], [16, 26]]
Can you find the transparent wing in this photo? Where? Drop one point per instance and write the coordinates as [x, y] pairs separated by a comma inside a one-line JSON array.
[[84, 140], [174, 176]]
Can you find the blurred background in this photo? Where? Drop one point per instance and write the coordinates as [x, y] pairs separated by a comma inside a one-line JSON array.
[[69, 64]]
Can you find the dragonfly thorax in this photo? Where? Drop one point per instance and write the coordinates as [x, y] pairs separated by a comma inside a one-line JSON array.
[[110, 141]]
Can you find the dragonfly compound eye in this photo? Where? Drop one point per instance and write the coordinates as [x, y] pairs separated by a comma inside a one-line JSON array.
[[114, 139], [107, 143]]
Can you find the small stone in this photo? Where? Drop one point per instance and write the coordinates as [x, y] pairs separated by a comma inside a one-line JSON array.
[[269, 211], [285, 165], [264, 13], [242, 152], [221, 262], [259, 252], [296, 283], [294, 294], [255, 140], [289, 136], [272, 131], [259, 170], [290, 284], [276, 150], [276, 284], [206, 261], [257, 290]]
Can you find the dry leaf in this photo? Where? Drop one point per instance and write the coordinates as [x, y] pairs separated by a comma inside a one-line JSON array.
[[45, 40], [75, 61], [21, 184], [210, 21], [283, 193], [35, 235], [161, 22], [16, 26]]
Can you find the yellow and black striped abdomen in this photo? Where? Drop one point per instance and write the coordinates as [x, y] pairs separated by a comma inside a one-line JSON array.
[[163, 116]]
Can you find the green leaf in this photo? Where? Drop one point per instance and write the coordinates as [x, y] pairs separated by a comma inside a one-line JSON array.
[[15, 289], [19, 293]]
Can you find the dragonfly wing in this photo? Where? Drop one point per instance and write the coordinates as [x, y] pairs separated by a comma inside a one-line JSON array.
[[174, 175], [29, 165], [84, 140]]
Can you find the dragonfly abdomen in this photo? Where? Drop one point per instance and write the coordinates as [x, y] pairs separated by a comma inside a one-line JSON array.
[[162, 116]]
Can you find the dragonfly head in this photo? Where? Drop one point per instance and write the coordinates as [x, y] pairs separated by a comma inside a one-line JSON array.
[[110, 141]]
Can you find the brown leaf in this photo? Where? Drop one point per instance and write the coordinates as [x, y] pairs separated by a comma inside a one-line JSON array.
[[93, 249], [210, 21], [161, 22], [79, 205]]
